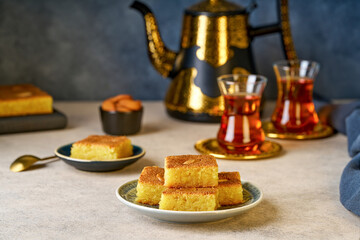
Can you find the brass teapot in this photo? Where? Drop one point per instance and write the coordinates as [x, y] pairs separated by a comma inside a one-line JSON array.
[[216, 40]]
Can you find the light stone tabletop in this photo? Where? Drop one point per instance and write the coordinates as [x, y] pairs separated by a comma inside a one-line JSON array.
[[56, 201]]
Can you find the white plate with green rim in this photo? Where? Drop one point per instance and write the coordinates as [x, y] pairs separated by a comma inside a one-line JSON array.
[[252, 196]]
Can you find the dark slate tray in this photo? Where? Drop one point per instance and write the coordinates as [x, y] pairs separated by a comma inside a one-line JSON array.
[[55, 120]]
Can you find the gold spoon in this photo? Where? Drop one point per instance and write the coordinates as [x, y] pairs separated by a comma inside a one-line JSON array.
[[24, 162]]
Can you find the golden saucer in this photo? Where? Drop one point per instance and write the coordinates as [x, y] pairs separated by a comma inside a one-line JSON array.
[[320, 131], [210, 146]]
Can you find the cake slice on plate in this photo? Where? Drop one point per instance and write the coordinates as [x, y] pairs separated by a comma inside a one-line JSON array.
[[189, 199], [102, 148], [185, 171], [150, 185], [230, 188]]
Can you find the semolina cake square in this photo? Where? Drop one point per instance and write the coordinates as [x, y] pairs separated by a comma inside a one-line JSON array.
[[189, 199], [191, 171], [150, 185], [102, 148], [230, 188], [24, 99]]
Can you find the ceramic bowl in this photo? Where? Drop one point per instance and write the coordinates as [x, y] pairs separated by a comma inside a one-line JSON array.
[[121, 123]]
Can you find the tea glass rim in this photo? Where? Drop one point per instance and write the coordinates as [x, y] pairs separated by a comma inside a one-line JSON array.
[[284, 64], [259, 78]]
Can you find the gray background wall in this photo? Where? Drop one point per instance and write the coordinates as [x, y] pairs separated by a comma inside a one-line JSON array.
[[93, 49]]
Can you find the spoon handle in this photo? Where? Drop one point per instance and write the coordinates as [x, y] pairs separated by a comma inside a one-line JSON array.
[[46, 158]]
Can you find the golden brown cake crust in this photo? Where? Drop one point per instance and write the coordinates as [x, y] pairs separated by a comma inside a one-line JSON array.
[[24, 99], [190, 161], [21, 91], [198, 191], [152, 175], [102, 140], [229, 178]]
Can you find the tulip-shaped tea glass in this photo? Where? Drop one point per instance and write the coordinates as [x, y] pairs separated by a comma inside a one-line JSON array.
[[240, 130], [295, 111]]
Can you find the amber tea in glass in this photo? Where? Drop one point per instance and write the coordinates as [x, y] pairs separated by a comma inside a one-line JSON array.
[[240, 129], [295, 110]]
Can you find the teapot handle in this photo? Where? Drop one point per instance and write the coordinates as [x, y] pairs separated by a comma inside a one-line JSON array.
[[282, 26]]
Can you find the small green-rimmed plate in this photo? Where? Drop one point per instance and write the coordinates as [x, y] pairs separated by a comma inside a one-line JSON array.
[[252, 196], [63, 153]]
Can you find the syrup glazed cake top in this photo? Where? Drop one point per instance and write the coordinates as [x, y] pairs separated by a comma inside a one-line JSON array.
[[154, 175], [190, 161], [229, 178], [103, 140], [21, 91]]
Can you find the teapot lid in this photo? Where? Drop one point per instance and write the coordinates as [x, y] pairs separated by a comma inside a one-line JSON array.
[[215, 8]]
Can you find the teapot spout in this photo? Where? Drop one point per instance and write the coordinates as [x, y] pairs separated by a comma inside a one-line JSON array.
[[160, 56]]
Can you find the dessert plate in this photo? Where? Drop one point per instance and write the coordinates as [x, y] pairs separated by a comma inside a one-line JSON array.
[[127, 194], [98, 166]]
